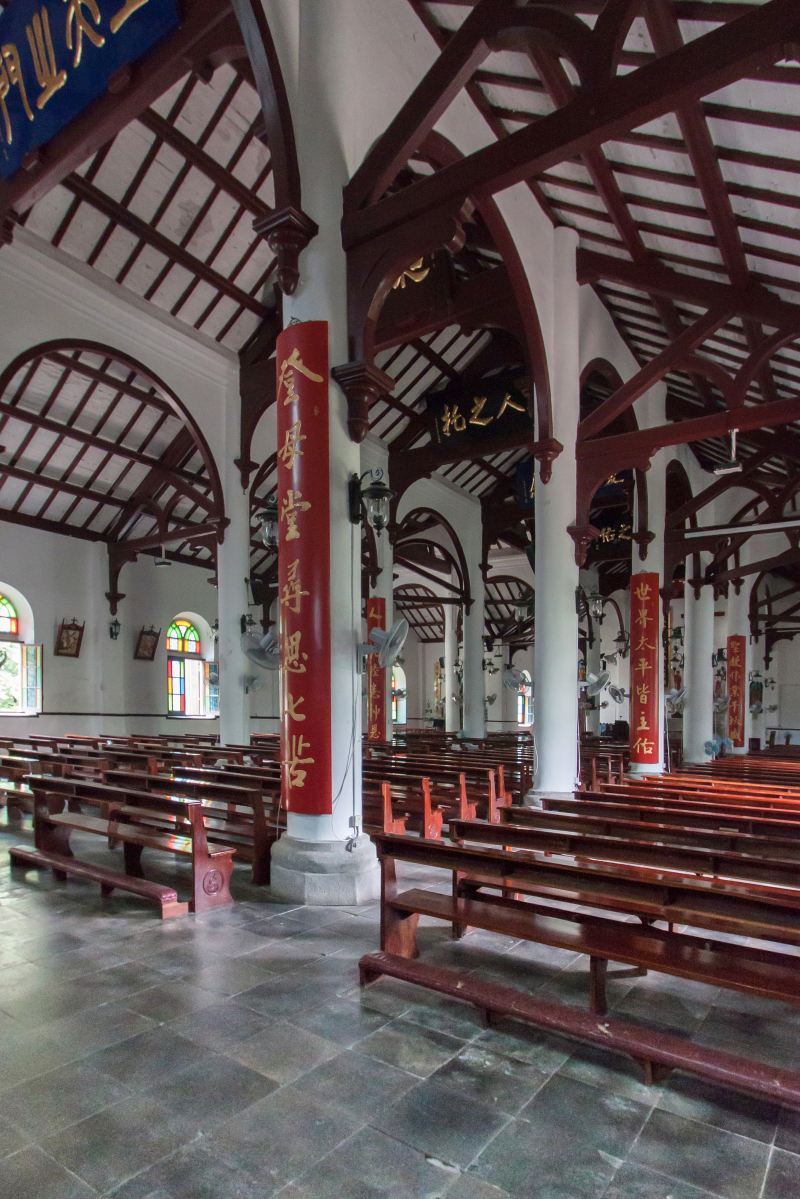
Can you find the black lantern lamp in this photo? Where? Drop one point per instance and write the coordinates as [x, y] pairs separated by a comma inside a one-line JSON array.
[[269, 524], [370, 502], [114, 629]]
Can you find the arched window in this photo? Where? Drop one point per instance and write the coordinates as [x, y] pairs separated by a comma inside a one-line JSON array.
[[9, 621], [398, 695], [182, 638], [191, 689], [20, 663], [525, 701]]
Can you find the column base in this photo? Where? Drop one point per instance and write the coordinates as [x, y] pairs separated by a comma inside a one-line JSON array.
[[324, 873], [645, 768]]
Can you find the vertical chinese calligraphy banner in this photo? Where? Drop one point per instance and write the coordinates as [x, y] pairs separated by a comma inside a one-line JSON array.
[[376, 676], [304, 567], [645, 602], [736, 685]]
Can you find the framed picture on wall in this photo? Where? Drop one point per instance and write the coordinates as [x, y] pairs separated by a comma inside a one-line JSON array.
[[147, 644], [68, 639]]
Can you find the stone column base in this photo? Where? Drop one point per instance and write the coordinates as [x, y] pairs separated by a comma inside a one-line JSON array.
[[324, 872], [646, 768]]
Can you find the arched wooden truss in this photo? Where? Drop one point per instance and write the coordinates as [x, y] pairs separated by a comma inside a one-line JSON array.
[[431, 557], [423, 609], [504, 595], [682, 231], [98, 447]]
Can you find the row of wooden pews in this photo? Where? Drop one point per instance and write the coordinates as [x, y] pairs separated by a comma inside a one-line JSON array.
[[695, 875]]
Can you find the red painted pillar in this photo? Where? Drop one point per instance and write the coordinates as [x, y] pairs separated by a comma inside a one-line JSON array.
[[376, 675], [645, 634], [304, 567], [736, 650]]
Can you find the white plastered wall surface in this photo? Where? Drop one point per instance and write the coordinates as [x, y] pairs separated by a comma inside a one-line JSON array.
[[46, 297]]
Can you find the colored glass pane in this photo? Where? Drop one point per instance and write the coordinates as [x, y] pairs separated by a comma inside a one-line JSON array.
[[8, 617], [183, 638]]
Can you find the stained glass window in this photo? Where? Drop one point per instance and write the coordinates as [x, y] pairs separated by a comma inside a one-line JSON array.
[[9, 624], [183, 638], [176, 685]]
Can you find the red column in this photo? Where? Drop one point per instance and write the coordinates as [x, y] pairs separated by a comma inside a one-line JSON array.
[[645, 602], [736, 689], [376, 676], [304, 567]]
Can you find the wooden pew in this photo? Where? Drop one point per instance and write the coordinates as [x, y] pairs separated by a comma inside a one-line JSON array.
[[137, 828], [482, 875]]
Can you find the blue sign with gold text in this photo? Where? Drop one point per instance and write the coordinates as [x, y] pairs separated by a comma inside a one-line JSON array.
[[57, 56]]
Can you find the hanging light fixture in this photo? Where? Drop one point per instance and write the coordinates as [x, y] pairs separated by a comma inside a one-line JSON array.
[[370, 502], [162, 559], [596, 603], [269, 524], [114, 629]]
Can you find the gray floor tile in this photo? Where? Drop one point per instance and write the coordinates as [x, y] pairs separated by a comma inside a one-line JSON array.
[[788, 1134], [372, 1166], [32, 1174], [219, 1025], [568, 1107], [499, 1082], [352, 1083], [213, 1090], [345, 1021], [410, 1046], [783, 1176], [707, 1157], [619, 1074], [527, 1161], [467, 1186], [281, 1136], [637, 1182], [283, 1051], [98, 1028], [142, 1061], [698, 1100], [11, 1138], [428, 1119], [53, 1101], [193, 1173], [115, 1144]]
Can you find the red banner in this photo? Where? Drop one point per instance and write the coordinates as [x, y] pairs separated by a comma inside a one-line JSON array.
[[304, 567], [645, 602], [736, 689], [376, 676]]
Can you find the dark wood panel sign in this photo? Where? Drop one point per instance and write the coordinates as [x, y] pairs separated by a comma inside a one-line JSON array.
[[57, 56], [495, 407]]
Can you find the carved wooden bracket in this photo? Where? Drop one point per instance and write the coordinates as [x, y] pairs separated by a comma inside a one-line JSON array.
[[546, 453], [288, 231], [643, 540], [361, 382], [583, 536]]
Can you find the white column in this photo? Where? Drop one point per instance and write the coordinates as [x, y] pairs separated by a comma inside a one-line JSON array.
[[452, 717], [311, 862], [233, 567], [739, 625], [474, 687], [555, 696], [698, 711], [384, 589], [593, 656]]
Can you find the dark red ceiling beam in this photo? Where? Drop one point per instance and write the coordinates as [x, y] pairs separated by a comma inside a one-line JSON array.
[[704, 65], [674, 355], [656, 279], [481, 299]]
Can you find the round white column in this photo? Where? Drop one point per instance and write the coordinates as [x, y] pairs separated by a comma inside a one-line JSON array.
[[555, 687], [384, 589], [758, 724], [452, 716], [698, 712], [233, 567], [739, 625], [312, 863], [593, 656], [474, 686]]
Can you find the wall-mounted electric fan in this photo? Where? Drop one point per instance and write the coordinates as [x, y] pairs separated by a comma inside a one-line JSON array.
[[263, 651], [387, 645]]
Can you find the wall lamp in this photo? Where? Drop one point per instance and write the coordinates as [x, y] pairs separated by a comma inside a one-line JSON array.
[[269, 524], [114, 629], [370, 502]]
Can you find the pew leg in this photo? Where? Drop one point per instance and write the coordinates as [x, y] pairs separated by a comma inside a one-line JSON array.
[[597, 986], [399, 932], [654, 1073], [457, 930], [51, 838], [133, 859], [211, 878]]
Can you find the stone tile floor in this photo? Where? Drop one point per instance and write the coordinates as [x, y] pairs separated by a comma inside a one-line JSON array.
[[232, 1056]]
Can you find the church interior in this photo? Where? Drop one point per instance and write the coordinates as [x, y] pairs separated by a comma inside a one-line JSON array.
[[399, 599]]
